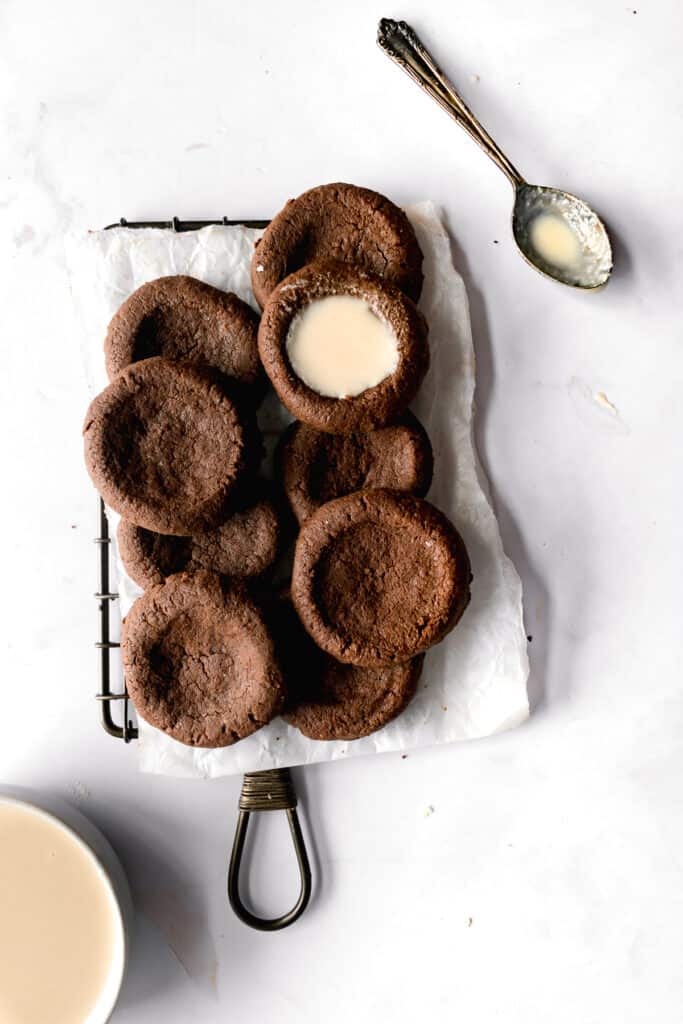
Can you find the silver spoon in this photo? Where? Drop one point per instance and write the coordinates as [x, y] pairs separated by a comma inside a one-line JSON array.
[[558, 234]]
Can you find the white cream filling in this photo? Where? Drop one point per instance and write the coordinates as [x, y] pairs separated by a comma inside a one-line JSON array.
[[339, 347]]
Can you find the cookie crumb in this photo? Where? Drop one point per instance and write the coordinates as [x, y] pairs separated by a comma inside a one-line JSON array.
[[469, 922], [444, 707], [602, 399]]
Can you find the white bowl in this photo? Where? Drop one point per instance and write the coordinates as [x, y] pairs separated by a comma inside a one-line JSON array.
[[108, 868]]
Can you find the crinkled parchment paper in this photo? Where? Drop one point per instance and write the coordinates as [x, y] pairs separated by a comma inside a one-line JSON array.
[[474, 682]]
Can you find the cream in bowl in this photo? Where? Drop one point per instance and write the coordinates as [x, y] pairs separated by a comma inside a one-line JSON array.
[[62, 930]]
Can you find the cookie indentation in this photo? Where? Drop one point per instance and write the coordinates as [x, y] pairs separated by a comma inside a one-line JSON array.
[[374, 406], [199, 660], [339, 347], [379, 577], [166, 448]]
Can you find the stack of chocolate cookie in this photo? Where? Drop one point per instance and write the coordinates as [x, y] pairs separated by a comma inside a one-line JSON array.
[[172, 444]]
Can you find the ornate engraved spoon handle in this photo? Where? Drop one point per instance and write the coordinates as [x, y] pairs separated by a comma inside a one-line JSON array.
[[401, 43]]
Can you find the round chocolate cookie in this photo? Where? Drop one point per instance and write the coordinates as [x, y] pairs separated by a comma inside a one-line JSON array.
[[316, 467], [379, 577], [327, 700], [245, 545], [183, 319], [339, 222], [373, 407], [199, 661], [166, 448], [351, 701]]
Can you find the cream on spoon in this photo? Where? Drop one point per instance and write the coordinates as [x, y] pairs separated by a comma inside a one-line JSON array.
[[558, 234]]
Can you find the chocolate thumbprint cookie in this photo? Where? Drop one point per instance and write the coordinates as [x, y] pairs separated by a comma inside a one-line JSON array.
[[379, 577], [339, 222], [345, 351], [199, 661], [166, 448], [185, 320]]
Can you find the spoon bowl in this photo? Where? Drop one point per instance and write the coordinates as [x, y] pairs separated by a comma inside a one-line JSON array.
[[561, 237], [556, 233]]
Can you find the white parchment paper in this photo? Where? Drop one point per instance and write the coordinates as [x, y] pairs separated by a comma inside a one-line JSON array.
[[474, 682]]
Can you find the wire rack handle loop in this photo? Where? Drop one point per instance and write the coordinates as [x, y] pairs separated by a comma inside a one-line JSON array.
[[268, 791]]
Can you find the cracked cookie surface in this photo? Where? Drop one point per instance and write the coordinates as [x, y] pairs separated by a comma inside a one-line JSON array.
[[245, 545], [199, 661], [315, 467], [333, 701], [379, 577], [185, 320], [352, 701], [166, 448], [341, 222], [374, 407]]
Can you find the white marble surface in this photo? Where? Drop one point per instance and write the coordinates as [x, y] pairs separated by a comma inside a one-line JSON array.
[[546, 882]]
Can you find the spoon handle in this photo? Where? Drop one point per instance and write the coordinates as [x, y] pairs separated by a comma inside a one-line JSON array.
[[401, 43]]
